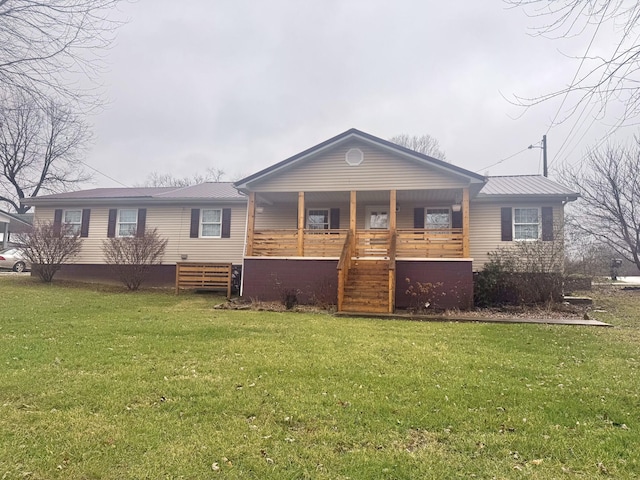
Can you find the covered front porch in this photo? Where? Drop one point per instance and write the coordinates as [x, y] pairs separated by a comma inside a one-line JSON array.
[[364, 234]]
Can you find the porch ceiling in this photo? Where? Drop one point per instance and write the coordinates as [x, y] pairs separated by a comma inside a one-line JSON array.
[[376, 196]]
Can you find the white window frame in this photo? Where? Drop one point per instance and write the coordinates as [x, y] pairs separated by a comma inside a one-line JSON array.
[[72, 228], [119, 223], [537, 224], [203, 223], [316, 209], [436, 227]]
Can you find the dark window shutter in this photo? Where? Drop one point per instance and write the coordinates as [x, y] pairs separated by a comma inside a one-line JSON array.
[[57, 221], [111, 226], [334, 221], [456, 219], [84, 226], [226, 223], [195, 223], [142, 222], [506, 224], [418, 218], [547, 224]]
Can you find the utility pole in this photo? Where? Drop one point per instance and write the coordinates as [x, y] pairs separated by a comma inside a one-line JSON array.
[[545, 170]]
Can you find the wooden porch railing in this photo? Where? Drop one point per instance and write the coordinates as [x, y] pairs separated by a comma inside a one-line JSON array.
[[372, 243], [344, 264], [324, 243], [410, 243], [426, 243], [284, 243]]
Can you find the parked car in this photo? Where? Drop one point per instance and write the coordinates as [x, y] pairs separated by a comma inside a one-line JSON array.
[[14, 259]]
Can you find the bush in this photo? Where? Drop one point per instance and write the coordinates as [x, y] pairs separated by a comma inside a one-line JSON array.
[[529, 273], [131, 257], [47, 247]]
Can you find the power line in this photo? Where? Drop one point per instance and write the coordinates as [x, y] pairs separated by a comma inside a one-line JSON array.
[[503, 160], [572, 84], [103, 174]]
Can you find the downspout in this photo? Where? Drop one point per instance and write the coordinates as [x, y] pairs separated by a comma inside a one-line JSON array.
[[244, 248]]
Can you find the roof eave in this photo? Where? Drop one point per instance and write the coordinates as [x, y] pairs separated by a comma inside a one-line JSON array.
[[35, 202], [555, 197]]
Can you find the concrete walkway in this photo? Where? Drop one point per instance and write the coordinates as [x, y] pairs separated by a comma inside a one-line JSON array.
[[462, 318]]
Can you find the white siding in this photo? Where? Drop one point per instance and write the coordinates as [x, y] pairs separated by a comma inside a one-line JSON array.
[[380, 170], [485, 234], [172, 223]]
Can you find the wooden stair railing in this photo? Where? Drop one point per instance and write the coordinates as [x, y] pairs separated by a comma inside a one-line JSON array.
[[392, 272]]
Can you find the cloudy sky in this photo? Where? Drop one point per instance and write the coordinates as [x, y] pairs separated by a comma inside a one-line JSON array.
[[241, 84]]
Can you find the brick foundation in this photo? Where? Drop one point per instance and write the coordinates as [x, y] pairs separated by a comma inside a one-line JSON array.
[[452, 283], [312, 281]]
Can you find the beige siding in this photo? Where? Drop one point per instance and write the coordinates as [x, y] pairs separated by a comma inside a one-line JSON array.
[[380, 170], [485, 229], [285, 216], [172, 223]]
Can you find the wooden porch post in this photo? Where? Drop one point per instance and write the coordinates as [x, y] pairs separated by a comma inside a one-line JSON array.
[[392, 211], [352, 213], [301, 218], [251, 221], [392, 247], [465, 223]]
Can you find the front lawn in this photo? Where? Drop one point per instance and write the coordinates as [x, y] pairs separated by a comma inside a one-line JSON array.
[[98, 383]]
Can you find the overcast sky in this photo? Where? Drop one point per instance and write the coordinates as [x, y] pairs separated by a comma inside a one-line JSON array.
[[241, 84]]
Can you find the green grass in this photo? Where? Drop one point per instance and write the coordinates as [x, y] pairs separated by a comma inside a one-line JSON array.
[[98, 383]]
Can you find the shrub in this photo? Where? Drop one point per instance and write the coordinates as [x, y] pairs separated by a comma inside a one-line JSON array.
[[47, 247], [131, 257], [526, 274]]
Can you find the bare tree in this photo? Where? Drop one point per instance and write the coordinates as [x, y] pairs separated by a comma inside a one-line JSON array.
[[602, 77], [132, 257], [40, 147], [155, 179], [609, 207], [425, 144], [46, 46], [48, 246]]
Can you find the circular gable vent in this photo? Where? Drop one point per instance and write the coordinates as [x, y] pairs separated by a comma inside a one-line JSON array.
[[354, 156]]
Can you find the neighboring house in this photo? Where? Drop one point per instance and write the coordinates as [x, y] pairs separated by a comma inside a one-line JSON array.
[[353, 221], [13, 223], [356, 219], [202, 223]]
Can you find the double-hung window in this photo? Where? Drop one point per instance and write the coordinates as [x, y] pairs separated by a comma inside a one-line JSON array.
[[211, 223], [526, 223], [72, 219], [437, 219], [318, 219], [127, 222]]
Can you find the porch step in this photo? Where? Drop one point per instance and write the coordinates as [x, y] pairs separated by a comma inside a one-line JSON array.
[[367, 287]]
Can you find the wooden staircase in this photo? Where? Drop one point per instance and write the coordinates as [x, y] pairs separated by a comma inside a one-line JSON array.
[[366, 283], [367, 287]]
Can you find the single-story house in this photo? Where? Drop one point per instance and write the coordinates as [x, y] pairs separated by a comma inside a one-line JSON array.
[[202, 223], [358, 219], [353, 221]]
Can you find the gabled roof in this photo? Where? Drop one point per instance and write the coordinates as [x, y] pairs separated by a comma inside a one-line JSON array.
[[352, 134], [18, 222], [524, 187], [208, 191]]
